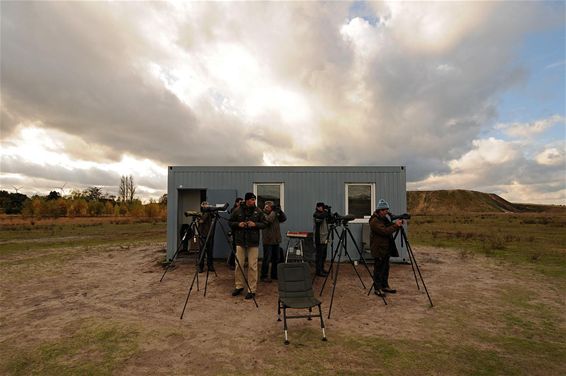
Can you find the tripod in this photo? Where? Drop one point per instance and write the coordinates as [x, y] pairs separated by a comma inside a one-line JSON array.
[[211, 232], [413, 260], [191, 229], [342, 248]]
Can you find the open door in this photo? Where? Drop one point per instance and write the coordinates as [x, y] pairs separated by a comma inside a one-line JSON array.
[[188, 199], [222, 247]]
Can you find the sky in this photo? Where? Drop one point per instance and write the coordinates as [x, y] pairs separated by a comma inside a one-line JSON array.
[[467, 95]]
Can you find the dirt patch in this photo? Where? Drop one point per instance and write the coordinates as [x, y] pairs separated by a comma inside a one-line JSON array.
[[225, 334]]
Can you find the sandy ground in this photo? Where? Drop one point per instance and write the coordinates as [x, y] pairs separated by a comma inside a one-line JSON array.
[[123, 285]]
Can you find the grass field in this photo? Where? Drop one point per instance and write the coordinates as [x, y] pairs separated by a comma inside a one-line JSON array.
[[84, 298], [33, 235], [537, 241]]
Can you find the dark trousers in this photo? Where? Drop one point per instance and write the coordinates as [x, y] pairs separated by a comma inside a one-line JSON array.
[[320, 257], [208, 253], [270, 256], [381, 272]]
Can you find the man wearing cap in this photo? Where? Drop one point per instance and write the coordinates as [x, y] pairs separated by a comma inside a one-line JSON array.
[[382, 246], [204, 223], [271, 236], [246, 221], [320, 218]]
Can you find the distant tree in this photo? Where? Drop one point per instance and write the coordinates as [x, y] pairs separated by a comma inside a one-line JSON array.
[[77, 208], [92, 194], [123, 189], [76, 194], [108, 208], [163, 200], [106, 197], [55, 208], [131, 189], [122, 208], [155, 210], [12, 203], [136, 209], [127, 189], [95, 208], [34, 207], [53, 195]]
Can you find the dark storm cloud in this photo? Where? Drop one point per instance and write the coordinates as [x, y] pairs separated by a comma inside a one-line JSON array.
[[77, 67], [381, 89]]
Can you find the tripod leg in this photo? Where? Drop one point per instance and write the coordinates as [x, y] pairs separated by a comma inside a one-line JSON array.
[[330, 270], [189, 293], [360, 253], [418, 269], [170, 263], [175, 254], [287, 250], [333, 231], [334, 288], [206, 282], [210, 249], [365, 264], [411, 256], [350, 258]]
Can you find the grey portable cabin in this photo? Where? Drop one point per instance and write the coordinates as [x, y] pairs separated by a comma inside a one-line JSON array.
[[348, 190]]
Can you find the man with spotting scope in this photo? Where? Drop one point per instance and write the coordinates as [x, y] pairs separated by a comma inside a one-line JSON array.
[[382, 246]]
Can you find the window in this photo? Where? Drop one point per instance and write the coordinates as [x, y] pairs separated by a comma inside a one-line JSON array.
[[360, 199], [269, 192]]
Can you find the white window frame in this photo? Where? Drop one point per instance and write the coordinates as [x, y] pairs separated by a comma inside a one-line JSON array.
[[281, 191], [372, 196]]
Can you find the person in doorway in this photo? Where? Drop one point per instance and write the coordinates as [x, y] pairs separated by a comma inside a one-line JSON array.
[[383, 246], [185, 234], [246, 222], [271, 236], [320, 218]]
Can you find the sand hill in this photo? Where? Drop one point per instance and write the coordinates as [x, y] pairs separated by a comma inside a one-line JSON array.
[[459, 200]]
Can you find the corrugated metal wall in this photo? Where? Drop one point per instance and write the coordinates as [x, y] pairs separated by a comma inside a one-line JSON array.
[[304, 186]]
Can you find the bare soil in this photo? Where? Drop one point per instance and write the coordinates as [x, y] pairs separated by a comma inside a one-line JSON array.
[[224, 334]]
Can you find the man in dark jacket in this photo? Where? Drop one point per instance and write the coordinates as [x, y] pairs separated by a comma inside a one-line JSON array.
[[382, 246], [320, 217], [246, 222], [271, 236]]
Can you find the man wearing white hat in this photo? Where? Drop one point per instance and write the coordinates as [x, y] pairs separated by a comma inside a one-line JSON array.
[[382, 246]]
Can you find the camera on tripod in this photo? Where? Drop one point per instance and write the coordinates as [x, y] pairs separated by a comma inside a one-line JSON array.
[[404, 216], [194, 214], [215, 208], [340, 219]]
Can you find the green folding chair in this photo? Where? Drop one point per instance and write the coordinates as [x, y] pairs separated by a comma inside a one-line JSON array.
[[295, 291]]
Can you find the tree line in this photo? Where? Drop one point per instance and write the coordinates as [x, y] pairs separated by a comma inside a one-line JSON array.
[[88, 202]]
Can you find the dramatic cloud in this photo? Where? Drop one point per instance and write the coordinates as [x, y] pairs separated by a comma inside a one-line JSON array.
[[495, 165], [530, 129], [552, 157], [97, 90]]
